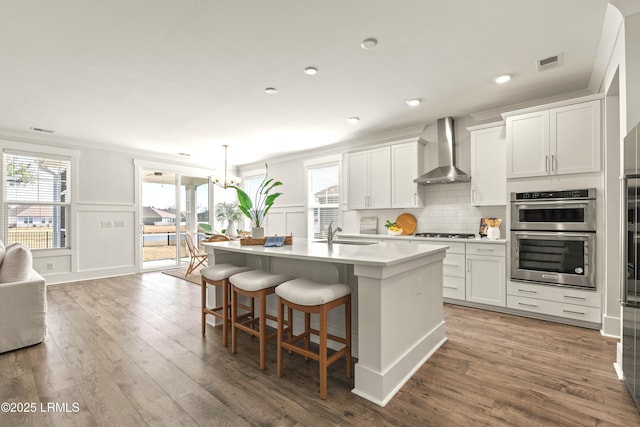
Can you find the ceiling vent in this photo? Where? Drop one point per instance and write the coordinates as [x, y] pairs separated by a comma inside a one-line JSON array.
[[549, 62], [42, 130]]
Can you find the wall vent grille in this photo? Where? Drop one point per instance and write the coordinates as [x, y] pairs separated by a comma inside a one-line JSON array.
[[549, 62]]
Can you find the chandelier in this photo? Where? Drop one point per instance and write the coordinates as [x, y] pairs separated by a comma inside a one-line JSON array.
[[225, 182]]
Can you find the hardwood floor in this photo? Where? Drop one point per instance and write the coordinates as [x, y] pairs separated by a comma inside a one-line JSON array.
[[128, 351]]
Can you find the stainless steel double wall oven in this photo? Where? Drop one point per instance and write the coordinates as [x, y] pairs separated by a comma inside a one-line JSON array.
[[553, 237]]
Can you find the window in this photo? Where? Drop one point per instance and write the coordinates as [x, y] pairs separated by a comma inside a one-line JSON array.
[[323, 197], [36, 187], [250, 186]]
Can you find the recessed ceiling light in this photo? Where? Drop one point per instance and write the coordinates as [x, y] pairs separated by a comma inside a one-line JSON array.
[[369, 43], [311, 71], [414, 102], [503, 78], [271, 90], [353, 120]]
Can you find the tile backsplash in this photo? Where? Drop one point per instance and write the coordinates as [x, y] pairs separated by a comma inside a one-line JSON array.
[[447, 208]]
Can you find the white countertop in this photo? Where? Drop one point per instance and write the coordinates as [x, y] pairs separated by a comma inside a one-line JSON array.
[[382, 254], [416, 238]]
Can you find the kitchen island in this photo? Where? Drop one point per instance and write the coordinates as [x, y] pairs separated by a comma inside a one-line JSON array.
[[397, 307]]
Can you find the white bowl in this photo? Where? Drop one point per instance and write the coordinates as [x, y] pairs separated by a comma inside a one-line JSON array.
[[395, 233]]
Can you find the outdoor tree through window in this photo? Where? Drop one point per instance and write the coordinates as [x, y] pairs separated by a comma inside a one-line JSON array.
[[36, 200]]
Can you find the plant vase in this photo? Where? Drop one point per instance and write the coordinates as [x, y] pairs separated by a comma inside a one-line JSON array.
[[257, 232], [231, 229]]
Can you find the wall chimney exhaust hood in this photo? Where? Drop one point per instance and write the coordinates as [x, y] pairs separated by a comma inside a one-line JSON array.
[[446, 172]]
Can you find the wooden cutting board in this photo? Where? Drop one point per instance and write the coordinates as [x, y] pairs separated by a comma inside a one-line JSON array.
[[407, 222]]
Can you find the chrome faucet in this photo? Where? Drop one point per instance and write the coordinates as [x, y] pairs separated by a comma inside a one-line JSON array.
[[331, 233]]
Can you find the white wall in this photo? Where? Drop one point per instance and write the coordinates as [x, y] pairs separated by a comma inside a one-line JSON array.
[[104, 224], [447, 206]]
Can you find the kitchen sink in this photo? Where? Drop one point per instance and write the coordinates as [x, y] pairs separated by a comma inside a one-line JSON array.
[[346, 242]]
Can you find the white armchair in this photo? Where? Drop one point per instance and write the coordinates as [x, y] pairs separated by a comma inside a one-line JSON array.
[[23, 309]]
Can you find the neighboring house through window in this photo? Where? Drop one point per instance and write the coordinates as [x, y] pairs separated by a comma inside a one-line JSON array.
[[323, 195], [36, 199]]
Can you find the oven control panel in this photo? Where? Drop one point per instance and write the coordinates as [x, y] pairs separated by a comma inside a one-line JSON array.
[[587, 193]]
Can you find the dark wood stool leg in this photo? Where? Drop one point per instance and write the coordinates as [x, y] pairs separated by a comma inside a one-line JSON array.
[[281, 335], [290, 325], [307, 332], [225, 312], [234, 317], [204, 305], [347, 322], [323, 352], [263, 329]]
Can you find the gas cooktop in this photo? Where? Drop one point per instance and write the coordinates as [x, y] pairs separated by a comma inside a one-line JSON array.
[[447, 235]]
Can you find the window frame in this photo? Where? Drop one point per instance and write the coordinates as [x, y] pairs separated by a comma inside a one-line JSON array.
[[44, 151], [255, 174], [317, 163]]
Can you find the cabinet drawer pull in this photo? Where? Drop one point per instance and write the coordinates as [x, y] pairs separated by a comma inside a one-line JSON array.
[[449, 287], [452, 264], [527, 291], [527, 305], [572, 297], [546, 163], [573, 312], [485, 249]]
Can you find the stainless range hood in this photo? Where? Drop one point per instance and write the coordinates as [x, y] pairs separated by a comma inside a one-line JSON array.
[[446, 172]]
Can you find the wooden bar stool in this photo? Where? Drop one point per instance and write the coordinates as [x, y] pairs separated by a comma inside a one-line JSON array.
[[218, 275], [255, 284], [310, 297]]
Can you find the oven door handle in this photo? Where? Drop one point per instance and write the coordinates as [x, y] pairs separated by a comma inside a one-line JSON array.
[[559, 234], [551, 203]]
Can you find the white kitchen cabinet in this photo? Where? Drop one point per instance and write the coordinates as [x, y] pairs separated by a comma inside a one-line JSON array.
[[369, 179], [554, 141], [406, 165], [488, 165], [486, 274], [559, 301], [453, 285]]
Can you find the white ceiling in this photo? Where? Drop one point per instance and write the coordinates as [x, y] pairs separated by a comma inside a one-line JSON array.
[[189, 76]]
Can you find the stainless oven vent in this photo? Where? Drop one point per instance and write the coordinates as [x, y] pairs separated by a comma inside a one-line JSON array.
[[446, 172]]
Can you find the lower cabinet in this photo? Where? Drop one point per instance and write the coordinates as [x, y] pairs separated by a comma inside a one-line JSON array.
[[453, 274], [557, 301], [486, 274]]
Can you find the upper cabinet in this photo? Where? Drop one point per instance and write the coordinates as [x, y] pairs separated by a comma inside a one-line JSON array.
[[370, 179], [561, 140], [382, 178], [406, 165], [488, 164]]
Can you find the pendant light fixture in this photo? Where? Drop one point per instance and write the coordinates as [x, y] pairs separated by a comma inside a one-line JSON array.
[[225, 182]]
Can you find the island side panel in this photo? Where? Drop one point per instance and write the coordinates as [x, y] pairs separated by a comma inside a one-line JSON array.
[[400, 319]]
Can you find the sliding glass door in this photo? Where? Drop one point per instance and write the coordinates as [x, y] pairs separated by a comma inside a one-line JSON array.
[[161, 221], [171, 206]]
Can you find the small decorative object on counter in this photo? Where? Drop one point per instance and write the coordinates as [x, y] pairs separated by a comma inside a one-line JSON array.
[[407, 222], [252, 241], [394, 230], [490, 228]]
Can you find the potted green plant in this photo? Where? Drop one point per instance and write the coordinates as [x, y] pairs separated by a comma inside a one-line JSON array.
[[256, 210], [230, 212]]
